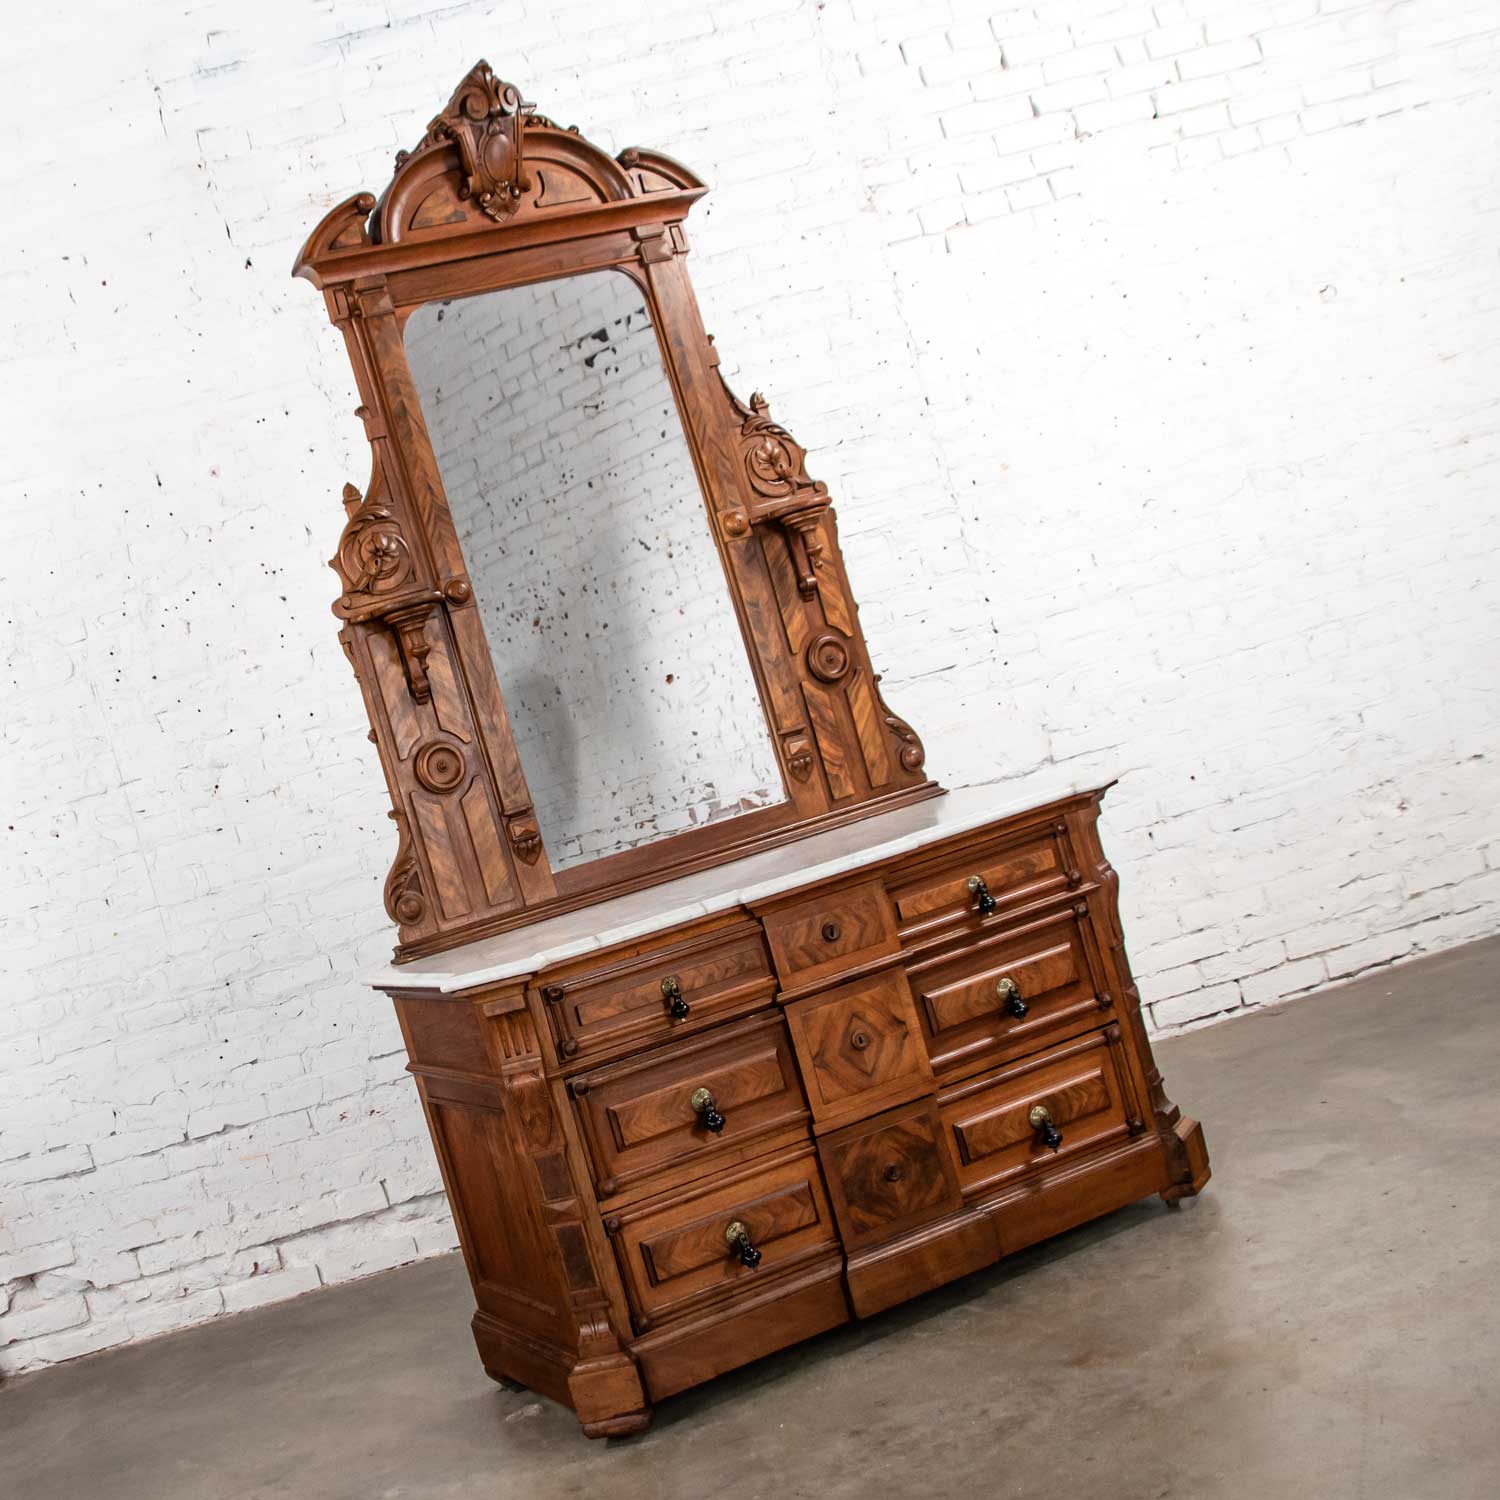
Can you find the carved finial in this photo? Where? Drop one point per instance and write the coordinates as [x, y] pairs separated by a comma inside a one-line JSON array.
[[352, 499], [484, 120]]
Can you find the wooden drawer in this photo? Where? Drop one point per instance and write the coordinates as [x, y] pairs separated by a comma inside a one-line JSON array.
[[674, 1255], [1011, 991], [816, 939], [859, 1047], [627, 1003], [638, 1120], [1026, 867], [1084, 1086], [890, 1174]]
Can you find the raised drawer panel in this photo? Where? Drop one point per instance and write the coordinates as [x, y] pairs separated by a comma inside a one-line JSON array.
[[815, 940], [1029, 868], [859, 1046], [638, 1120], [1011, 992], [890, 1174], [675, 1255], [1085, 1090], [626, 1003]]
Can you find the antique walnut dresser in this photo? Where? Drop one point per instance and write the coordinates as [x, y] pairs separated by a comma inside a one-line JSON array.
[[728, 1024]]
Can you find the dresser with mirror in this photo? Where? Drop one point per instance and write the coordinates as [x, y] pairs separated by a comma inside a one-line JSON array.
[[728, 1023]]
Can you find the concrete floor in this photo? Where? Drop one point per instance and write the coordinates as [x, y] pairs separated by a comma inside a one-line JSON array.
[[1320, 1324]]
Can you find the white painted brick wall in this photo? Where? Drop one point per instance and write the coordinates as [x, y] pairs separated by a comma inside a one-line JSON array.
[[594, 571], [1151, 354]]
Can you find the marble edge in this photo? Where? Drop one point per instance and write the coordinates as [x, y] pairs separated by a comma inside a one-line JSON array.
[[456, 981]]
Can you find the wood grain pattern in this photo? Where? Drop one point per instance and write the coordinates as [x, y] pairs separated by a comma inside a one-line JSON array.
[[859, 1046], [889, 1175], [1078, 1084], [607, 1006], [1032, 868], [637, 1119], [812, 939], [1055, 964], [674, 1255]]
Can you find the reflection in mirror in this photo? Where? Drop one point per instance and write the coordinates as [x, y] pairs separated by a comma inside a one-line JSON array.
[[602, 594]]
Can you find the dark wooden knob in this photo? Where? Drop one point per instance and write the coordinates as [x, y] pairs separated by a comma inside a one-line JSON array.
[[832, 932], [703, 1104], [984, 903], [671, 992], [737, 1237], [1008, 993], [1041, 1119]]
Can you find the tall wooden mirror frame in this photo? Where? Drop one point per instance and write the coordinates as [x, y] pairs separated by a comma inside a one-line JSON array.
[[496, 195]]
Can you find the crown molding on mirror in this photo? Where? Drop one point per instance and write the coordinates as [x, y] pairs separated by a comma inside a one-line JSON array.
[[496, 195]]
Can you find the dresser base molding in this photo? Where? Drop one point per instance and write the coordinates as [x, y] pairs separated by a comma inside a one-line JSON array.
[[1192, 1155], [698, 1140], [605, 1393], [685, 1354]]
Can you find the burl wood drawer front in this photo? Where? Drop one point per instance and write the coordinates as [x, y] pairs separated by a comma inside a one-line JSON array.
[[1011, 992], [999, 1122], [675, 1255], [818, 939], [685, 1106], [644, 998], [859, 1046], [890, 1174], [1028, 867]]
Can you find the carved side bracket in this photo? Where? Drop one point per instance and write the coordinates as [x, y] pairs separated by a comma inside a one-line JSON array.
[[373, 561], [912, 754], [405, 901], [776, 466]]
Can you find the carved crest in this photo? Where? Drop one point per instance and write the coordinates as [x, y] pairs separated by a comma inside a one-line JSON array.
[[484, 120]]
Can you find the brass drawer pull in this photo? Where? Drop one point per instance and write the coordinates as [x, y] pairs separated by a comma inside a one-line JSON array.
[[1008, 993], [1041, 1119], [984, 903], [703, 1104], [737, 1237], [671, 992]]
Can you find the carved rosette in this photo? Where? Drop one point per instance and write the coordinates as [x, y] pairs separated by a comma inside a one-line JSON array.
[[439, 766], [484, 120], [373, 560], [828, 657]]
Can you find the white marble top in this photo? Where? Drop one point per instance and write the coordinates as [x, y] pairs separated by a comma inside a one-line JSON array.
[[523, 950]]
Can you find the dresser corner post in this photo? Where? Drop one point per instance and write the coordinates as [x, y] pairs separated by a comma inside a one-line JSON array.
[[603, 1379], [1182, 1140]]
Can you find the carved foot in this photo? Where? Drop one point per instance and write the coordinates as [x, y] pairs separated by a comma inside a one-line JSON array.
[[627, 1425], [1190, 1162]]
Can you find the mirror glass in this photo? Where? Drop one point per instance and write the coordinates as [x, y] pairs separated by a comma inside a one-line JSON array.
[[603, 598]]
